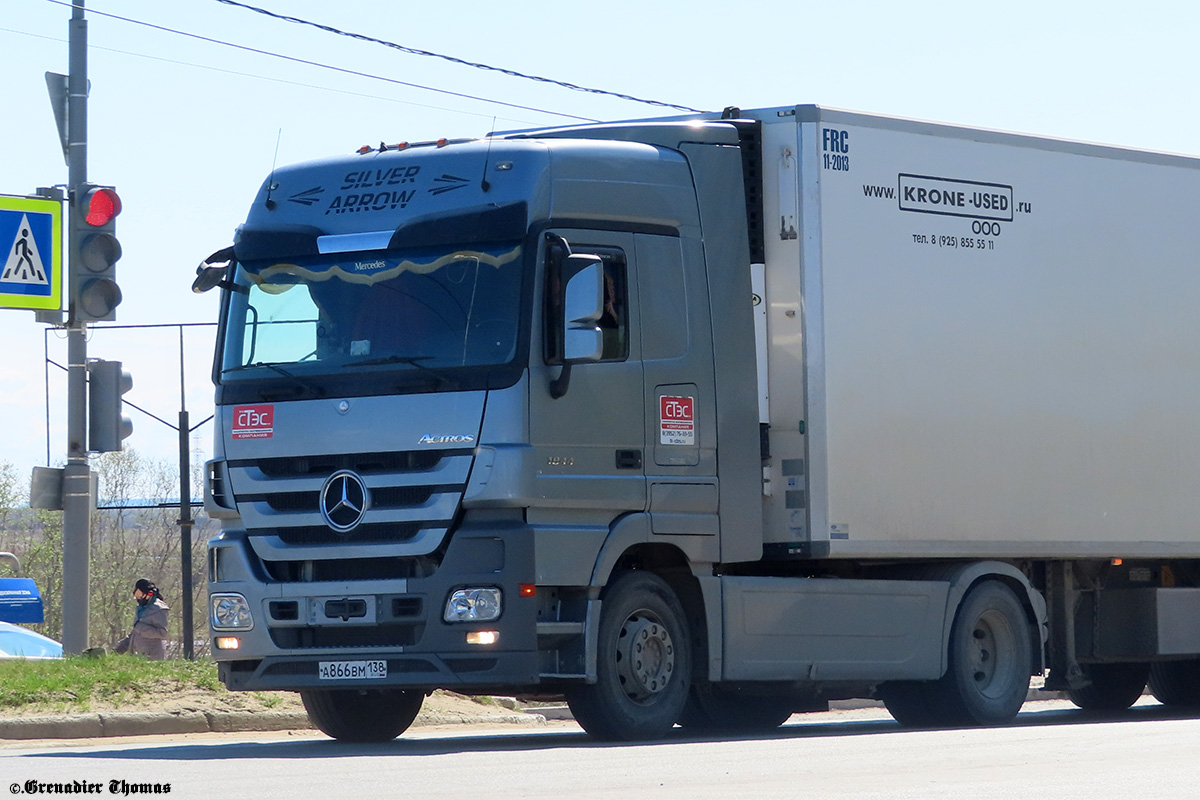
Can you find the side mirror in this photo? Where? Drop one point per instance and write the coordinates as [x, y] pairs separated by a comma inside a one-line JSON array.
[[212, 271], [583, 306]]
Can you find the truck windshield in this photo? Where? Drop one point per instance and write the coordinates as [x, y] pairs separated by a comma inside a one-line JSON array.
[[427, 309]]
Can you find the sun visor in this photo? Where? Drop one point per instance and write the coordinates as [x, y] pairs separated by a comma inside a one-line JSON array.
[[490, 223], [252, 243]]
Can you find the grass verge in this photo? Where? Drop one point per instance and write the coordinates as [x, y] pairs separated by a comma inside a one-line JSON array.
[[76, 682], [88, 684]]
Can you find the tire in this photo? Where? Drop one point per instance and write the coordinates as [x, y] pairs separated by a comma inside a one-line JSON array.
[[990, 660], [352, 715], [713, 708], [1176, 683], [1113, 687], [912, 703], [644, 663]]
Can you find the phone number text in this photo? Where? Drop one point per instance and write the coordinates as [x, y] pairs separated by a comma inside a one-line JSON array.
[[956, 242]]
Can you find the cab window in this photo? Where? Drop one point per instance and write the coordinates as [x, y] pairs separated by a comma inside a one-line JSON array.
[[613, 323]]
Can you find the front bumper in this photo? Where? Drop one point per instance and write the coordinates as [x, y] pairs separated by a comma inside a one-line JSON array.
[[489, 670], [300, 624]]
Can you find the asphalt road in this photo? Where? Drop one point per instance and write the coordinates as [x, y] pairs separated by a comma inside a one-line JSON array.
[[1052, 752]]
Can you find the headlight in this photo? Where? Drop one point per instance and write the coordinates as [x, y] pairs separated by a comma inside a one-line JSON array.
[[230, 611], [473, 605]]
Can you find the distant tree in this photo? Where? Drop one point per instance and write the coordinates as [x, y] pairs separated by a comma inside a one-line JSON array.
[[145, 542], [126, 544], [35, 537], [10, 492]]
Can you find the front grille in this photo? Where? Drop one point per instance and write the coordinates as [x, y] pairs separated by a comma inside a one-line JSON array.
[[216, 485], [385, 497], [313, 534], [362, 463], [406, 607], [402, 496], [347, 636], [414, 497], [298, 501], [352, 569], [284, 610]]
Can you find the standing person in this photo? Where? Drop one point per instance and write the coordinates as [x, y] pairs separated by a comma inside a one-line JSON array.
[[149, 623]]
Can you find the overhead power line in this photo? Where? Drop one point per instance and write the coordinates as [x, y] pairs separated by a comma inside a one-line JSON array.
[[307, 62], [256, 76], [453, 59]]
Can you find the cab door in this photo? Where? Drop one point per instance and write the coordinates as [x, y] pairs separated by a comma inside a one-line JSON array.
[[589, 443]]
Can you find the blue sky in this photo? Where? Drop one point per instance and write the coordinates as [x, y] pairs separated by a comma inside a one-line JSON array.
[[187, 129]]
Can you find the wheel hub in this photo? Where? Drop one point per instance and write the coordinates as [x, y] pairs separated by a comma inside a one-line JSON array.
[[990, 637], [645, 657]]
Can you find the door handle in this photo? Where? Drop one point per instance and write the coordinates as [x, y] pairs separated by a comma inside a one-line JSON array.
[[629, 459]]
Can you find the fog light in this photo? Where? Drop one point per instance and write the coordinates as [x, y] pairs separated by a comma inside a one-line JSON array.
[[230, 611], [473, 605], [227, 642], [483, 637]]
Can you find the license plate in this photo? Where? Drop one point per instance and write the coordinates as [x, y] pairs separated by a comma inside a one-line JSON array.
[[351, 670]]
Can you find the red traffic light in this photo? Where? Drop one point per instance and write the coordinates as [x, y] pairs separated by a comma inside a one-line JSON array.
[[102, 206], [94, 253]]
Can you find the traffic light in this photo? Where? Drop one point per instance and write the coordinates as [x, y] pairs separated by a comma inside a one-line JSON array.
[[106, 425], [94, 253]]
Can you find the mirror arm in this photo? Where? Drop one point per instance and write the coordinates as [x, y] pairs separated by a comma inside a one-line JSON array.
[[559, 386]]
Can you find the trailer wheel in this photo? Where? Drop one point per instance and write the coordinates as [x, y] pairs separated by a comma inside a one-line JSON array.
[[1113, 687], [1176, 683], [713, 708], [372, 715], [644, 665], [990, 660]]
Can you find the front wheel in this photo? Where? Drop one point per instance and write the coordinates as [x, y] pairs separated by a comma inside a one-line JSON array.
[[353, 715], [644, 663]]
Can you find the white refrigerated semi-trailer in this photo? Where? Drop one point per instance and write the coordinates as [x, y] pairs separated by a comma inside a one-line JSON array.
[[990, 339]]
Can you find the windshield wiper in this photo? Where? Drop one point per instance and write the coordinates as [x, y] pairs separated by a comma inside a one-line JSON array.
[[274, 367], [412, 361]]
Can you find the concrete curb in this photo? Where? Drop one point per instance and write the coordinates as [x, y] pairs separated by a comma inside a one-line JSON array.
[[133, 723]]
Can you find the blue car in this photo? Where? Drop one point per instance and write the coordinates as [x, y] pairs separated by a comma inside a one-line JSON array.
[[18, 642]]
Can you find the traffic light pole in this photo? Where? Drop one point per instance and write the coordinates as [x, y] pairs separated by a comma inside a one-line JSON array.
[[77, 479]]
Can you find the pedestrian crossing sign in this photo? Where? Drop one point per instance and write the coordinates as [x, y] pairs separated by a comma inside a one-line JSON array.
[[31, 254]]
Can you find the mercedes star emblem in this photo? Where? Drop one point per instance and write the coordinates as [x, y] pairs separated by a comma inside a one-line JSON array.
[[344, 500]]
